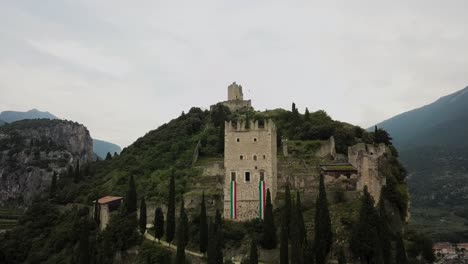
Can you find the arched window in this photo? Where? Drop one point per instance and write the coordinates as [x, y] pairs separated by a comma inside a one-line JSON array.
[[241, 157], [255, 139], [238, 139], [255, 157], [262, 175]]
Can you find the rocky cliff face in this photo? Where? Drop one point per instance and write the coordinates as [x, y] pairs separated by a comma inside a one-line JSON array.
[[31, 151]]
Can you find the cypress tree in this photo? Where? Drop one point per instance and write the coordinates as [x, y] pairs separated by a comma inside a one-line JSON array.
[[158, 223], [323, 233], [53, 186], [269, 229], [215, 251], [341, 257], [287, 207], [97, 213], [364, 241], [77, 174], [400, 256], [116, 154], [297, 239], [108, 156], [384, 231], [131, 197], [70, 172], [300, 218], [182, 235], [307, 114], [83, 246], [284, 245], [219, 227], [170, 219], [203, 226], [253, 258], [142, 220]]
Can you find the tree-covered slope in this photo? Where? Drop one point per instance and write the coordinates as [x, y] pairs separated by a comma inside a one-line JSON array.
[[433, 144]]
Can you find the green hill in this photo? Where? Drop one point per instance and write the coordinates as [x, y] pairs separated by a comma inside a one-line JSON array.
[[101, 148]]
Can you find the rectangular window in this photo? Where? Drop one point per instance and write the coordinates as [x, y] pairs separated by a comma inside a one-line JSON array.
[[247, 176], [262, 176], [233, 176]]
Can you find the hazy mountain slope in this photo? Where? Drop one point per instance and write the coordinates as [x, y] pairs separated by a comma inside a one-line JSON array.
[[101, 148], [2, 122], [12, 116], [444, 122], [433, 145]]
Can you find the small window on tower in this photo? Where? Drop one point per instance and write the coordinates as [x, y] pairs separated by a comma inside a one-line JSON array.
[[255, 157], [264, 157], [255, 139], [237, 139], [241, 157], [247, 176], [233, 176], [262, 176]]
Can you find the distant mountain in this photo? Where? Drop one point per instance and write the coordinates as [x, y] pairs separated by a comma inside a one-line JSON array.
[[433, 145], [444, 122], [102, 147], [12, 116]]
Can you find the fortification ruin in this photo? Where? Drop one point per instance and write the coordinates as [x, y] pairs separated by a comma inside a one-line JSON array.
[[236, 100]]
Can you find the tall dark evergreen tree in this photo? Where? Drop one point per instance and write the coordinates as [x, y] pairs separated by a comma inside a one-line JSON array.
[[300, 219], [215, 245], [341, 257], [170, 219], [53, 186], [400, 256], [108, 156], [365, 243], [83, 246], [384, 231], [287, 207], [97, 213], [131, 197], [182, 235], [203, 226], [116, 154], [284, 243], [77, 174], [253, 258], [158, 223], [323, 234], [142, 220], [297, 246], [269, 229]]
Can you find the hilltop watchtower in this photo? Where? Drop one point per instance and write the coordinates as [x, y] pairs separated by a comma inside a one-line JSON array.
[[250, 164], [236, 100]]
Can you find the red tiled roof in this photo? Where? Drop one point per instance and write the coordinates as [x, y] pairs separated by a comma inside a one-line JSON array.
[[108, 199]]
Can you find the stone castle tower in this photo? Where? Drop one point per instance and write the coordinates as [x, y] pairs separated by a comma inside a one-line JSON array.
[[236, 99], [250, 168]]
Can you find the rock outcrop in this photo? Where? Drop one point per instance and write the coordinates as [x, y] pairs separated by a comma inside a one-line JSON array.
[[31, 151]]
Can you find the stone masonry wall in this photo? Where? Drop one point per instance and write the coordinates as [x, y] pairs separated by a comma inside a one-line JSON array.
[[251, 150]]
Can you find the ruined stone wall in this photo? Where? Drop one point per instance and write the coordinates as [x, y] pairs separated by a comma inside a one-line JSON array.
[[365, 158], [249, 150], [238, 104]]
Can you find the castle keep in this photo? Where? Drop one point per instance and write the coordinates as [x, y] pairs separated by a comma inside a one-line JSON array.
[[236, 98], [250, 168]]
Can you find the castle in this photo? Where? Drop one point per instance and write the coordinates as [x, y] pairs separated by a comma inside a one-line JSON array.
[[236, 100], [251, 165]]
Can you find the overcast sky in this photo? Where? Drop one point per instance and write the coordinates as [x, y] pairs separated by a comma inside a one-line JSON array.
[[123, 68]]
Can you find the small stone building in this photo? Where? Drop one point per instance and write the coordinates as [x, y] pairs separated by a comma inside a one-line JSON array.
[[342, 175], [106, 205], [250, 162]]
